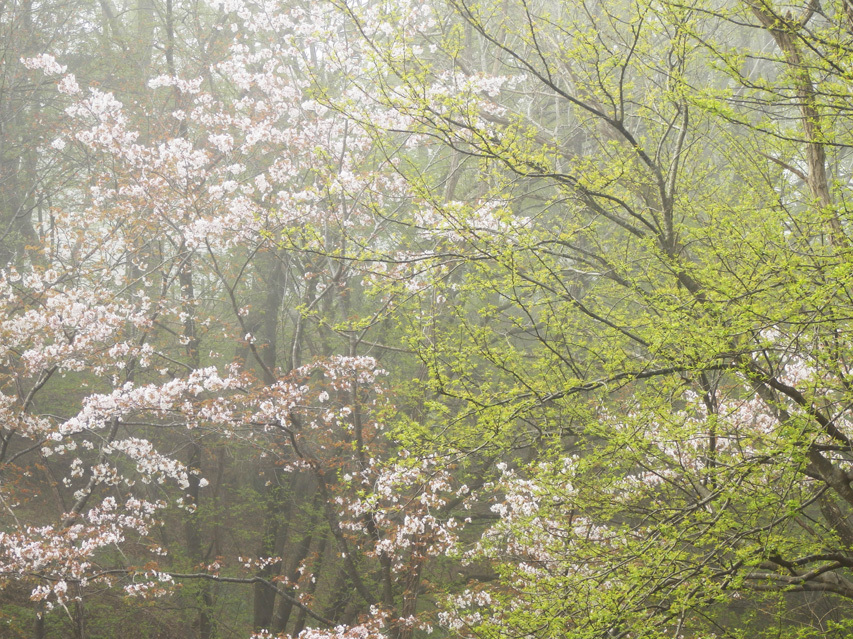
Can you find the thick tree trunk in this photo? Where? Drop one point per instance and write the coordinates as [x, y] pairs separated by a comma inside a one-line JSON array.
[[192, 533], [297, 556]]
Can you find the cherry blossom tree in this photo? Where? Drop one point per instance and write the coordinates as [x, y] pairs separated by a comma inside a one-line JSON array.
[[178, 243]]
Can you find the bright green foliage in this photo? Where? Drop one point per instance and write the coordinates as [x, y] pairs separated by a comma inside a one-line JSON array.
[[642, 304]]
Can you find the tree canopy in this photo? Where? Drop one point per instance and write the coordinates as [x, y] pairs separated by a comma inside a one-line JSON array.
[[423, 317]]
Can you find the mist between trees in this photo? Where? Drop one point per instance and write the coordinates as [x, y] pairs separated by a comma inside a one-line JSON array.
[[426, 318]]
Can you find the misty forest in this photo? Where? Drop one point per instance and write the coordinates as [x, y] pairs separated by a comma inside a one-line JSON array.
[[410, 319]]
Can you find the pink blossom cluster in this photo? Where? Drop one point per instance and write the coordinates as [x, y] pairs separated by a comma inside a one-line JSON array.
[[405, 502]]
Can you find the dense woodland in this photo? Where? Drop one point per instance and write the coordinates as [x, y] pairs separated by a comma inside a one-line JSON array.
[[409, 318]]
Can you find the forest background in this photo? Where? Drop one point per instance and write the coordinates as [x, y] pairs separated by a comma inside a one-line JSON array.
[[422, 317]]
